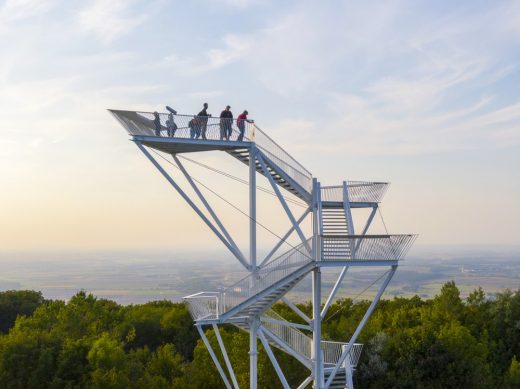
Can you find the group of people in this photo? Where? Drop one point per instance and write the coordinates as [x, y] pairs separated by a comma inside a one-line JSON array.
[[199, 124]]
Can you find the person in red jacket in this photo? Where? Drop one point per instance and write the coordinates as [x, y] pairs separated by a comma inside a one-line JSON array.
[[241, 124]]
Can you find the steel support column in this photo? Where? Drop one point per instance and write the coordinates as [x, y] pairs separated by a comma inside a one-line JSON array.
[[253, 331], [253, 353]]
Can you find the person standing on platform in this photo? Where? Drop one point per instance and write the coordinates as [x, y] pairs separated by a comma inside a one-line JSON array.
[[226, 123], [241, 124], [157, 123], [203, 117], [170, 123]]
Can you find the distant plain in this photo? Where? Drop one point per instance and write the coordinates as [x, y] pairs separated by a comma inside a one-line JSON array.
[[133, 278]]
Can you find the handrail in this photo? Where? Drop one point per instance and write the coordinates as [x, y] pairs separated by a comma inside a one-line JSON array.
[[365, 247], [358, 191], [301, 342], [207, 305]]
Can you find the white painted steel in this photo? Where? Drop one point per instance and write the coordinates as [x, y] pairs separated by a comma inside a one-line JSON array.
[[368, 313], [284, 238], [333, 244], [359, 192], [225, 355], [214, 357], [249, 286], [271, 356], [368, 247], [209, 208]]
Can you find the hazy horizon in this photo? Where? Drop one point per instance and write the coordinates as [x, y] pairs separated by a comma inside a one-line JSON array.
[[418, 94]]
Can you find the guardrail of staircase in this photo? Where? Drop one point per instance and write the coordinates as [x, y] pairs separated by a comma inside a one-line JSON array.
[[212, 128], [272, 272], [358, 191], [365, 247], [283, 159], [332, 352], [204, 305], [298, 341]]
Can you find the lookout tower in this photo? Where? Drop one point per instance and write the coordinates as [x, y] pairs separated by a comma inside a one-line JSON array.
[[334, 243]]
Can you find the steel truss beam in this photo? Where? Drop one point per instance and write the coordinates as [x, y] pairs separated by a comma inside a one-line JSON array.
[[360, 326], [186, 198]]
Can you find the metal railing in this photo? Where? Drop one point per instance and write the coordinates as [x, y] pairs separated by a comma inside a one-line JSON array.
[[332, 352], [213, 128], [302, 343], [358, 191], [210, 305], [269, 274], [365, 247], [204, 305], [296, 339]]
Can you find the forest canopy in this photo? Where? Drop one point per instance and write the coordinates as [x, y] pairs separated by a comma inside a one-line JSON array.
[[90, 342]]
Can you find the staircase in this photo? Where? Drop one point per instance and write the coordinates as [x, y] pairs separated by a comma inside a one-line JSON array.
[[297, 183], [339, 381], [256, 292], [334, 224], [284, 337]]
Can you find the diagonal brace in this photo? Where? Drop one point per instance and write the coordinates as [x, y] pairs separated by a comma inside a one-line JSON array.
[[226, 358], [282, 201], [214, 357], [333, 292], [271, 356], [284, 238], [192, 204], [360, 326], [208, 207]]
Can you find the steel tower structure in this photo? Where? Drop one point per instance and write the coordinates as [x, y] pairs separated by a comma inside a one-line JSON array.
[[334, 243]]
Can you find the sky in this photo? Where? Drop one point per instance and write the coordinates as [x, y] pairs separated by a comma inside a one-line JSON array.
[[421, 94]]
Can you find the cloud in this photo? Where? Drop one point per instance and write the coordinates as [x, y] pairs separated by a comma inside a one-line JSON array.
[[17, 10], [110, 19], [238, 3]]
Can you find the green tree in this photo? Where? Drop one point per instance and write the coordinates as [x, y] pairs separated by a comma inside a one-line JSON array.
[[17, 302]]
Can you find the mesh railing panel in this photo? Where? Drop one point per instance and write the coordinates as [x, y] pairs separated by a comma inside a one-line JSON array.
[[266, 276], [365, 247], [203, 305], [359, 191], [302, 343], [298, 341], [332, 352]]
